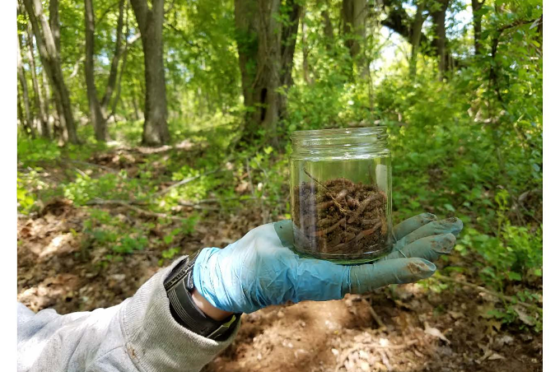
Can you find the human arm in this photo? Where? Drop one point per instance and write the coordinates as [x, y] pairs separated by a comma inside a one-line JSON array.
[[139, 334], [259, 270]]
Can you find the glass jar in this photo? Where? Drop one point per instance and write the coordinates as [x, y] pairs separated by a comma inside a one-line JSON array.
[[341, 193]]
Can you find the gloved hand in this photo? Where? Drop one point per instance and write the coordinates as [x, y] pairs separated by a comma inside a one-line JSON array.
[[260, 270]]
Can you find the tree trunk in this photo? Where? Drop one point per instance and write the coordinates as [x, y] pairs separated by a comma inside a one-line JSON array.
[[328, 31], [266, 48], [353, 16], [287, 49], [438, 16], [39, 100], [119, 80], [399, 21], [49, 58], [54, 23], [305, 54], [27, 121], [105, 102], [415, 37], [136, 110], [95, 114], [477, 24], [150, 24], [46, 91]]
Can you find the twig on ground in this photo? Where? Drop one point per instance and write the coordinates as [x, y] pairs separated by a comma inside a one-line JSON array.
[[214, 200], [81, 172], [185, 181], [90, 165], [490, 292], [136, 209], [377, 318], [98, 201], [385, 359]]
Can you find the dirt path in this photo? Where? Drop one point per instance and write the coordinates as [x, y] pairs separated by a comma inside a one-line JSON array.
[[416, 329]]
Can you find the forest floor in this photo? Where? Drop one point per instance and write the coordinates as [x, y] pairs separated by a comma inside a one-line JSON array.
[[414, 327]]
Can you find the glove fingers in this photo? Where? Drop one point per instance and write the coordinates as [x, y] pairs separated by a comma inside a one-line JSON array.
[[409, 225], [429, 248], [451, 225], [366, 278]]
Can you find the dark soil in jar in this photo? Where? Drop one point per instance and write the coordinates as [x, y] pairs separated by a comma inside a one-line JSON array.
[[339, 219]]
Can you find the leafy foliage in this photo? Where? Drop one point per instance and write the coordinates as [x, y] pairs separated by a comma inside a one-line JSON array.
[[467, 142]]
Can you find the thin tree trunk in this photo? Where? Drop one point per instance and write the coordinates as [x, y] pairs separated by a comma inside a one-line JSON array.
[[20, 116], [46, 91], [477, 24], [51, 64], [39, 100], [287, 50], [438, 17], [95, 114], [305, 53], [54, 23], [327, 26], [354, 14], [150, 24], [265, 47], [115, 61], [117, 98], [135, 105], [415, 37], [288, 41], [27, 121]]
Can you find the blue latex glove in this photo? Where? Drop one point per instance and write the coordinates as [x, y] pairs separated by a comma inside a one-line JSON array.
[[260, 270]]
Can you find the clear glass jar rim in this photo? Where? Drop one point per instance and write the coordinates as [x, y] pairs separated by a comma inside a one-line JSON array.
[[338, 132]]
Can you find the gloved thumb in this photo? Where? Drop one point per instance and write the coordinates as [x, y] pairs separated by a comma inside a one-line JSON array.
[[366, 278]]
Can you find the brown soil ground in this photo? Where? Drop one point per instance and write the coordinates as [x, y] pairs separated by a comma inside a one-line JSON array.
[[414, 327], [417, 329]]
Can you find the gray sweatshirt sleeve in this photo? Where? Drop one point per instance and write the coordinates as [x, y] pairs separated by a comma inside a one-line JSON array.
[[140, 334]]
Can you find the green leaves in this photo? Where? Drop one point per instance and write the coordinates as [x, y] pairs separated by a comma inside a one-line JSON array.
[[24, 200]]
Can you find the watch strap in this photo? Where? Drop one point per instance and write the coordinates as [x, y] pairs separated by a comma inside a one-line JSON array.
[[179, 285]]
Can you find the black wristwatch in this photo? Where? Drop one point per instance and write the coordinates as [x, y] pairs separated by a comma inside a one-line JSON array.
[[179, 286]]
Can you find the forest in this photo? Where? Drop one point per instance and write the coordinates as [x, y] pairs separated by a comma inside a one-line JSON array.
[[149, 129]]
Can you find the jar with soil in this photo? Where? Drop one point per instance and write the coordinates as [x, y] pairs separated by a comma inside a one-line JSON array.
[[341, 193]]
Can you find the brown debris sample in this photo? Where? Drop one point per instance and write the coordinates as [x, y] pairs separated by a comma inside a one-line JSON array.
[[339, 219]]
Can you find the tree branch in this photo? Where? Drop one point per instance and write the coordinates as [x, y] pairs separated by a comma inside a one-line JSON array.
[[490, 292]]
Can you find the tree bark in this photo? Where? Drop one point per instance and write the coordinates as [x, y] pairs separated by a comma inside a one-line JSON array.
[[51, 64], [305, 53], [353, 16], [95, 114], [27, 121], [266, 48], [415, 37], [54, 23], [438, 16], [287, 49], [111, 82], [477, 24], [150, 24], [117, 98], [135, 105], [46, 91], [327, 26], [39, 100]]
